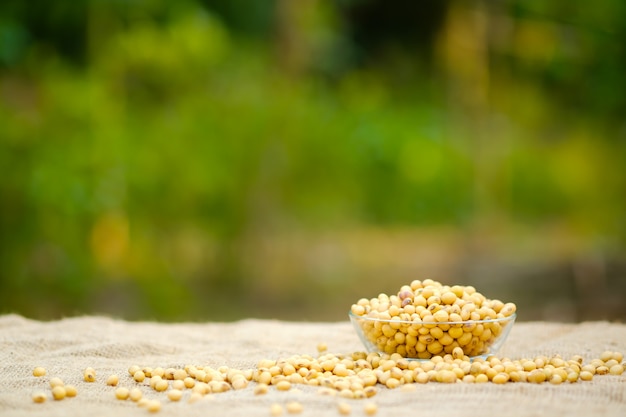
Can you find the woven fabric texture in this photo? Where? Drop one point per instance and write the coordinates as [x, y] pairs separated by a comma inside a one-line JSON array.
[[66, 347]]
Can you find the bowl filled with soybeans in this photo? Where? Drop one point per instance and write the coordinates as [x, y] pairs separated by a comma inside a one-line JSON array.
[[426, 319]]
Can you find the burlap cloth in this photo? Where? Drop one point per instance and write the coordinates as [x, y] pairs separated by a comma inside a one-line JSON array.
[[110, 346]]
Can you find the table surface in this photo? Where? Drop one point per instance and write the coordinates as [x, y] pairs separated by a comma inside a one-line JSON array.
[[66, 347]]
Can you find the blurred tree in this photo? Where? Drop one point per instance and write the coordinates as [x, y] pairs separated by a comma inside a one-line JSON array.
[[215, 158]]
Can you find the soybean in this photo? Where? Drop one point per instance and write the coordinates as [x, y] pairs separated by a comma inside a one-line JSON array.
[[283, 385], [113, 380], [39, 397], [153, 406], [39, 371], [276, 409], [89, 375], [261, 389], [56, 382], [370, 409], [139, 376], [174, 395], [135, 394], [294, 407], [344, 408], [70, 391], [161, 385], [178, 384], [58, 392], [122, 393]]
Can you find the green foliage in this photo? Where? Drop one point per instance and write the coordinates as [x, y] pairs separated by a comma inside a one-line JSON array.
[[135, 182]]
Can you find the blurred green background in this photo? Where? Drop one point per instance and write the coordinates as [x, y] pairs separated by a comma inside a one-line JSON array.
[[220, 159]]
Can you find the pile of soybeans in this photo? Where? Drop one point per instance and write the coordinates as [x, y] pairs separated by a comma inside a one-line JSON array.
[[359, 375], [427, 319]]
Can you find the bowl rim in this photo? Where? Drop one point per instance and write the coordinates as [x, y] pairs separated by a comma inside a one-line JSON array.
[[462, 322]]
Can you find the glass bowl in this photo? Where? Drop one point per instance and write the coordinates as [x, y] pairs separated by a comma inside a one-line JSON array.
[[423, 340]]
